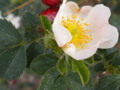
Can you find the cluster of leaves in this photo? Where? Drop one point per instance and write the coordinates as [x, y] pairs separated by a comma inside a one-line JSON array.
[[33, 46]]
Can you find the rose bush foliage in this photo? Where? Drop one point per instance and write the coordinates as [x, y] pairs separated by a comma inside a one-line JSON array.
[[46, 48]]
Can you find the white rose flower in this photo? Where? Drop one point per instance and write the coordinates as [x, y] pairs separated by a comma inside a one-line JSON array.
[[81, 31], [15, 20]]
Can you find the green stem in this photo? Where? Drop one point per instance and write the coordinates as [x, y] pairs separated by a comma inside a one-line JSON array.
[[104, 61], [67, 64], [50, 33], [23, 43], [62, 56]]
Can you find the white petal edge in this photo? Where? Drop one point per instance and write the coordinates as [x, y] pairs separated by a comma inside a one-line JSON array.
[[81, 54], [98, 16], [108, 37], [62, 36], [66, 9], [84, 11]]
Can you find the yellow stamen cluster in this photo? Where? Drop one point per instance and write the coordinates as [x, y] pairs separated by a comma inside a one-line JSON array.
[[78, 29]]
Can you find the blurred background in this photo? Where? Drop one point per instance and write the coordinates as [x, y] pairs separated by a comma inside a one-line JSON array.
[[29, 80]]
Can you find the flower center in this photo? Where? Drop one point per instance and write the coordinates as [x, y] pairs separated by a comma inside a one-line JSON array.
[[78, 29]]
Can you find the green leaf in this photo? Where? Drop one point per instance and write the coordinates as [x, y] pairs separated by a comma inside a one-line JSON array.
[[30, 23], [59, 84], [115, 20], [43, 62], [110, 82], [74, 83], [109, 53], [62, 66], [116, 61], [97, 57], [3, 5], [51, 43], [89, 60], [51, 81], [35, 7], [12, 54], [12, 62], [99, 67], [46, 24], [82, 70], [29, 20], [17, 2], [34, 50], [9, 36]]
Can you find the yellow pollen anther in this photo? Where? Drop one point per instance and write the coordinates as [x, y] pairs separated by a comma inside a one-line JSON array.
[[78, 29], [62, 17], [90, 35], [82, 19], [82, 47]]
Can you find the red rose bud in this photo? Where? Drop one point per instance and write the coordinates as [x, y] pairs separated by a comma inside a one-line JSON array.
[[50, 13], [52, 3]]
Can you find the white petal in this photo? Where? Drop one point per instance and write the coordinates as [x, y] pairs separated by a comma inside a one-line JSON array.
[[62, 35], [9, 17], [70, 49], [64, 1], [1, 15], [98, 16], [70, 8], [81, 54], [66, 9], [16, 21], [107, 36], [84, 11]]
